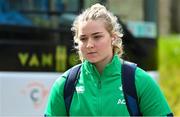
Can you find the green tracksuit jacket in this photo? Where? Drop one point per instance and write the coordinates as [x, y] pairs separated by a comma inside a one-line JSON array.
[[101, 94]]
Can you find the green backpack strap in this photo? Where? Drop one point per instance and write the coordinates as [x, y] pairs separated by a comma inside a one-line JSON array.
[[129, 88]]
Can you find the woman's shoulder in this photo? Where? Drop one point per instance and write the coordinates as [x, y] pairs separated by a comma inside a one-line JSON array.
[[141, 74], [144, 81], [60, 81], [152, 98], [63, 76]]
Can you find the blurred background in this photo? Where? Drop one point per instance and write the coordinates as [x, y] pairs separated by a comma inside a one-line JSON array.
[[36, 46]]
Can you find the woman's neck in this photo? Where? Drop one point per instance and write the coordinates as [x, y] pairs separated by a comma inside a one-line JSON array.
[[101, 65]]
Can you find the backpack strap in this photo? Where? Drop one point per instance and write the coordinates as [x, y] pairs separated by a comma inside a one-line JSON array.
[[129, 88], [170, 115], [70, 84]]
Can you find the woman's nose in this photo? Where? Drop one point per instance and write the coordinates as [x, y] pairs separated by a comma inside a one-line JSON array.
[[90, 44]]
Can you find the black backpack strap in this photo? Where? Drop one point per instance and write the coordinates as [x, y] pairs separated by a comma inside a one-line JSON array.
[[70, 84], [129, 88], [170, 115]]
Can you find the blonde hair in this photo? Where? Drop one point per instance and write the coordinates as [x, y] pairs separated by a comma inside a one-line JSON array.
[[99, 12]]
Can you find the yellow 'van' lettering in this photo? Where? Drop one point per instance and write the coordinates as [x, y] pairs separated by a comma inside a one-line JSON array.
[[34, 61], [46, 60], [23, 57], [73, 59], [61, 57]]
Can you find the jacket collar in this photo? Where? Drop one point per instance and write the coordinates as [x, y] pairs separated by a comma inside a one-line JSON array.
[[112, 68]]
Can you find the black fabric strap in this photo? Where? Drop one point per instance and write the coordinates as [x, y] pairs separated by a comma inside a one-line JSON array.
[[70, 84], [170, 115], [129, 88]]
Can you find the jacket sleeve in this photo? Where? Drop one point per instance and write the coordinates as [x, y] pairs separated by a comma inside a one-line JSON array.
[[55, 104], [151, 99]]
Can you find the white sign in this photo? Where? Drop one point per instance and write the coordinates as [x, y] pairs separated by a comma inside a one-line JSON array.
[[24, 93]]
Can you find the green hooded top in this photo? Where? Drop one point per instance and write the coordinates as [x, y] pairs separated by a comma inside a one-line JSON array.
[[102, 94]]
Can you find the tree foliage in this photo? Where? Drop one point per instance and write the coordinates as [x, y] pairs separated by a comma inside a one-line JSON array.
[[169, 69]]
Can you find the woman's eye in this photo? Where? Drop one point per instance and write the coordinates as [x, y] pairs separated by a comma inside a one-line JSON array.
[[97, 37], [83, 39]]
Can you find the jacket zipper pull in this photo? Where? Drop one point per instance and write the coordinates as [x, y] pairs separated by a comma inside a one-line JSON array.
[[99, 84]]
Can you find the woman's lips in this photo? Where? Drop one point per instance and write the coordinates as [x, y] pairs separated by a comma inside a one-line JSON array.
[[91, 52]]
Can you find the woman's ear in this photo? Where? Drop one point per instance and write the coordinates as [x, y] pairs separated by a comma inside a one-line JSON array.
[[113, 36], [113, 40]]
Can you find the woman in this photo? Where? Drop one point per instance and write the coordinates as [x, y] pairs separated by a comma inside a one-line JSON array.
[[98, 91]]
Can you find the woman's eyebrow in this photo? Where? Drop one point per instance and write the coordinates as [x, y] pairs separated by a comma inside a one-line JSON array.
[[82, 35], [97, 33]]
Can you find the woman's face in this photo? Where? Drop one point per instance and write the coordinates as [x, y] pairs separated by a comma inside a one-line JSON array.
[[95, 42]]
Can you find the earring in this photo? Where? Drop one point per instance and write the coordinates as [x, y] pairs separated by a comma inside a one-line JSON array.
[[113, 42]]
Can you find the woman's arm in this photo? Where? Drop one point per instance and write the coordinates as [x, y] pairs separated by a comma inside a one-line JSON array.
[[151, 98]]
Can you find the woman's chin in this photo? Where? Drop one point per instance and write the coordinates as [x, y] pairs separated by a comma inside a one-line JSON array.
[[92, 60]]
